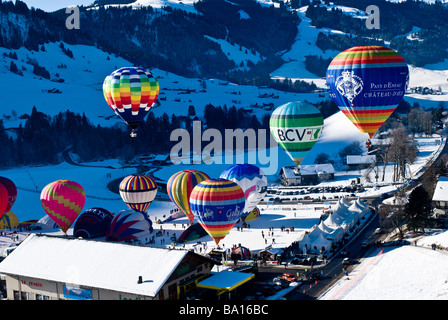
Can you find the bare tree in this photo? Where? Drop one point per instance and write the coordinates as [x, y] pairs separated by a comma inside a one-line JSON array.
[[403, 151]]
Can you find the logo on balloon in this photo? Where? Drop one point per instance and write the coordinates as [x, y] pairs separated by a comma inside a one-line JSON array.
[[349, 85]]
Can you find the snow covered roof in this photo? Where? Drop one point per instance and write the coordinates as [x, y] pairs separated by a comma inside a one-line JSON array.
[[99, 264], [312, 169], [307, 170], [441, 190], [361, 159]]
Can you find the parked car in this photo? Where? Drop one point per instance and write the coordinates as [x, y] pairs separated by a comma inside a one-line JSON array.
[[279, 281], [346, 262], [289, 277]]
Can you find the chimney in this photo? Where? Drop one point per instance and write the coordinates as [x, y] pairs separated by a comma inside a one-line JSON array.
[[140, 279]]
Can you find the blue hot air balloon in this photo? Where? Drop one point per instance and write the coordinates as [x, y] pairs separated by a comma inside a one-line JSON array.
[[93, 223], [367, 83], [129, 225], [252, 181]]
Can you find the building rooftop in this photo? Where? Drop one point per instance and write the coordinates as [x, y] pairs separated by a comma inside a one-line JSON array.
[[91, 263], [441, 190]]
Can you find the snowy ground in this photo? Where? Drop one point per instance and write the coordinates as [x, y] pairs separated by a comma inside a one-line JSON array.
[[398, 273]]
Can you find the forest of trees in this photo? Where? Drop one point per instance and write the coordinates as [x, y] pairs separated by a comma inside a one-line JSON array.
[[171, 39], [396, 20], [42, 138]]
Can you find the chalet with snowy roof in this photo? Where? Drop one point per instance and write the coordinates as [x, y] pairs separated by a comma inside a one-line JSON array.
[[440, 198], [307, 174], [356, 162], [51, 268]]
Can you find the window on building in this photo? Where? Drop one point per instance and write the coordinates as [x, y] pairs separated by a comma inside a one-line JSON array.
[[16, 295], [38, 296], [24, 295]]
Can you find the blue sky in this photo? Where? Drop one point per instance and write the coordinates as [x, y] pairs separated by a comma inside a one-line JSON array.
[[53, 5]]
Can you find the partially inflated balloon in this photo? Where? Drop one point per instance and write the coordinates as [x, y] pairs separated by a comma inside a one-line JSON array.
[[252, 181], [179, 188], [63, 201], [12, 192], [367, 83], [129, 225], [296, 126], [138, 191], [217, 204], [9, 221], [130, 93], [93, 223]]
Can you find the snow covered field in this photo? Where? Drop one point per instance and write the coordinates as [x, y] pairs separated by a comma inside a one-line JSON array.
[[398, 273]]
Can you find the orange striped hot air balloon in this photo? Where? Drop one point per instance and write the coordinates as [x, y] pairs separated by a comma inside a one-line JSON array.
[[218, 204], [138, 191], [367, 83], [63, 201]]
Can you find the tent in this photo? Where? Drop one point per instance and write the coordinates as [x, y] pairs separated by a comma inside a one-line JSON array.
[[332, 234], [46, 223], [320, 243]]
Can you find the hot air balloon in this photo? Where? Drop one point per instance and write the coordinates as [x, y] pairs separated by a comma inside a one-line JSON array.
[[252, 181], [4, 199], [193, 232], [63, 201], [9, 221], [367, 83], [138, 191], [296, 126], [93, 223], [179, 188], [12, 192], [131, 92], [129, 225], [217, 204]]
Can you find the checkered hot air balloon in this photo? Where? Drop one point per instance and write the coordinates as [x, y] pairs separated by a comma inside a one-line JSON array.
[[179, 188], [367, 83], [217, 204], [63, 201], [296, 126], [131, 92], [138, 191]]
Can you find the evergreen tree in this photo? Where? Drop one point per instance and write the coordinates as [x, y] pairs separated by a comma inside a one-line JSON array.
[[417, 211]]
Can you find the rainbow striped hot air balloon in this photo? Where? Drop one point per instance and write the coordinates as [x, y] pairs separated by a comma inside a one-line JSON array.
[[63, 200], [179, 188], [138, 191], [296, 126], [130, 93], [367, 83], [129, 225], [217, 204]]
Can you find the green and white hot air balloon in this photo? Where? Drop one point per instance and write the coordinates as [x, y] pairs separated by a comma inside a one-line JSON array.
[[296, 126]]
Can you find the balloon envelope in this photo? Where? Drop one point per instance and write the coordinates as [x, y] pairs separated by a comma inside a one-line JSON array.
[[9, 221], [63, 201], [4, 198], [367, 83], [129, 225], [12, 192], [296, 126], [179, 188], [252, 181], [138, 191], [217, 204], [93, 223], [193, 232], [131, 92]]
